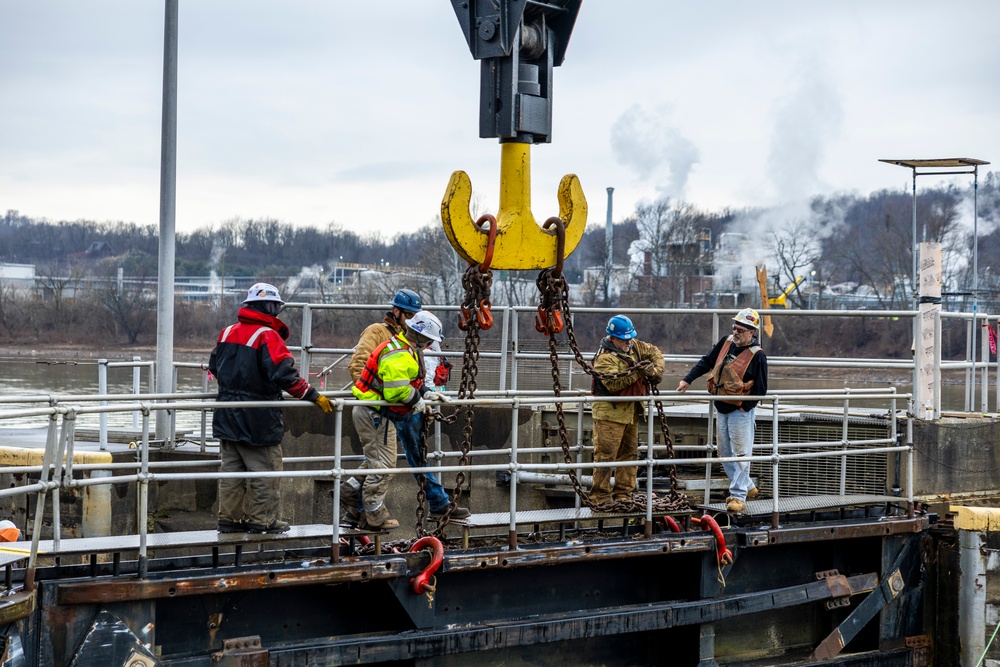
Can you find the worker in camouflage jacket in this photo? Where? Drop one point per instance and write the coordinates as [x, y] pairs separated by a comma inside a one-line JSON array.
[[616, 424]]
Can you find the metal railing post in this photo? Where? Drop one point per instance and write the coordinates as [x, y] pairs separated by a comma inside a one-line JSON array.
[[650, 416], [984, 376], [512, 528], [136, 389], [307, 323], [844, 443], [515, 351], [204, 413], [504, 347], [102, 389], [142, 513], [775, 493], [577, 503], [338, 431]]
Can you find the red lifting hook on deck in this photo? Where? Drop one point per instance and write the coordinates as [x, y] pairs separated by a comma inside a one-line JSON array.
[[724, 555], [421, 583]]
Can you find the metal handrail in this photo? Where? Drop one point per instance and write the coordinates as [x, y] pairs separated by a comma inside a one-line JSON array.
[[56, 471]]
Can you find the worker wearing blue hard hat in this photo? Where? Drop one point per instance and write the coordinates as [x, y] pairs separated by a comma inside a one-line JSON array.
[[616, 424]]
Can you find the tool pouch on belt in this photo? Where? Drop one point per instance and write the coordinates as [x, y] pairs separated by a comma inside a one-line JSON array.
[[442, 373], [729, 386], [727, 380]]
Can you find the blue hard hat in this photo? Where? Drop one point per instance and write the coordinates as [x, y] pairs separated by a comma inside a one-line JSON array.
[[620, 326], [406, 299]]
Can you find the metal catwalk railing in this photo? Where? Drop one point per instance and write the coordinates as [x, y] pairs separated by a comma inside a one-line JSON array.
[[58, 471], [512, 358]]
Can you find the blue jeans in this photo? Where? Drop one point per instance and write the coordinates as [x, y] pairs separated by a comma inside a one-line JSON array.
[[408, 430], [736, 431]]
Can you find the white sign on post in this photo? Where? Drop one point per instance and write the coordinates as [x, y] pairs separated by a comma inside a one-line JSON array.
[[926, 393]]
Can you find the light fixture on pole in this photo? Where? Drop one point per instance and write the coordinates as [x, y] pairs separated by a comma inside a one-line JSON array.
[[954, 166]]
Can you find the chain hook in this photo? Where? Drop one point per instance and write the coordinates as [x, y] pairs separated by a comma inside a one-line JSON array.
[[491, 239], [422, 582], [560, 233]]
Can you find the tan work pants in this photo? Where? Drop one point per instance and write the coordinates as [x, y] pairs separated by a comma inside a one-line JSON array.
[[378, 439], [614, 442], [254, 500]]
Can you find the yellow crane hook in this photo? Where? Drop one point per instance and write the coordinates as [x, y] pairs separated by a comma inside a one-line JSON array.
[[521, 243]]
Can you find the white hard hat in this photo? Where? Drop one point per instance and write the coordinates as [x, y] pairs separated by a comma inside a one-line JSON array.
[[748, 317], [263, 292], [427, 324]]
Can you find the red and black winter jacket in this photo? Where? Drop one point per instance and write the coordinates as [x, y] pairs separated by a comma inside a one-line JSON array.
[[252, 363]]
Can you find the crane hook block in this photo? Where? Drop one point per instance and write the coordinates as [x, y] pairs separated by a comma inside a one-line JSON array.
[[521, 243]]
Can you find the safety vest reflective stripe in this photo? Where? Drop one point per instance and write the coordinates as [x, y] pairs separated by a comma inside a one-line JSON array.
[[253, 338], [225, 334], [370, 380]]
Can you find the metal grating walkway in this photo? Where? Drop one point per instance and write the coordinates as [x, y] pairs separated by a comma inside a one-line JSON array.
[[807, 503]]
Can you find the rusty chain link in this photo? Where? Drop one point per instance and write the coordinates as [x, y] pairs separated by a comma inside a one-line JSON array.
[[475, 316], [554, 300]]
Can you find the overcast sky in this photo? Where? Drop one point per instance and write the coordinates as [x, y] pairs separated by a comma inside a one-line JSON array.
[[356, 113]]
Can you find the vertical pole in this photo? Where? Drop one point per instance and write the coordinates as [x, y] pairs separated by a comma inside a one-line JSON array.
[[775, 493], [514, 350], [337, 436], [975, 283], [102, 389], [914, 406], [504, 347], [913, 276], [609, 235], [136, 389], [650, 416], [579, 449], [512, 527], [204, 414], [843, 442], [168, 201], [142, 513], [307, 324]]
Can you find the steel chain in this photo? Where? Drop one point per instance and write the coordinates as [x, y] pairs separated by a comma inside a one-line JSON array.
[[554, 298], [474, 315]]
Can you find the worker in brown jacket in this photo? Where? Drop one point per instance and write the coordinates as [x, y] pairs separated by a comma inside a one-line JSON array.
[[405, 304], [616, 424]]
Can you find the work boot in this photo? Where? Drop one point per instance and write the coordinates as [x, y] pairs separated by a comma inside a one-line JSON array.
[[388, 524], [229, 526], [456, 512], [752, 493], [735, 505], [276, 527], [352, 515]]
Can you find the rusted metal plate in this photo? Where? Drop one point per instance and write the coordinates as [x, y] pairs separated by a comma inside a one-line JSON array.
[[92, 592], [242, 652], [840, 531], [16, 606]]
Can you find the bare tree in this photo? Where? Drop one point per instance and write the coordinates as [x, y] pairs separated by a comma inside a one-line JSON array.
[[795, 247]]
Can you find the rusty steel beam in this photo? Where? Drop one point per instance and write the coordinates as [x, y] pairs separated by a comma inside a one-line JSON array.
[[693, 542], [102, 591], [115, 590], [832, 531]]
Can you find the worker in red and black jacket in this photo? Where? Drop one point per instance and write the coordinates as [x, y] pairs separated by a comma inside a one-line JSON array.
[[252, 363]]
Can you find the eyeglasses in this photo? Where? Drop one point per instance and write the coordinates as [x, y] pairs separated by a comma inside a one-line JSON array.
[[738, 329]]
